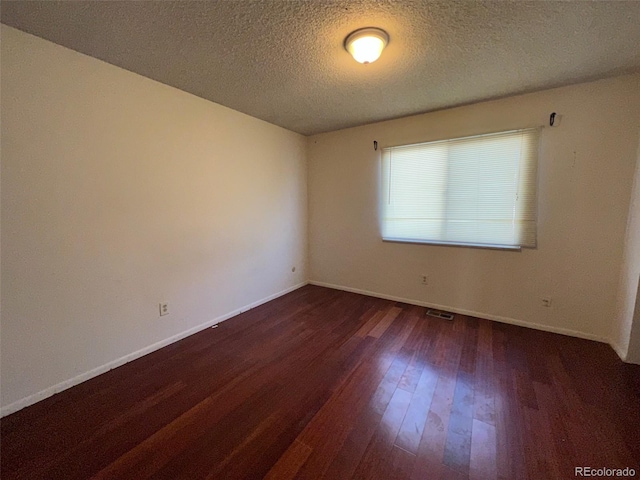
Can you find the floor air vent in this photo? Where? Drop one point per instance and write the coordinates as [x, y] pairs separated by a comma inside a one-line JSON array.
[[440, 314]]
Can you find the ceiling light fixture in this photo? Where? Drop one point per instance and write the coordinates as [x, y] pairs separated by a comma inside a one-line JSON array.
[[366, 44]]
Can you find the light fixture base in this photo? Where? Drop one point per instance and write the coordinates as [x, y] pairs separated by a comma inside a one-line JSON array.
[[366, 44]]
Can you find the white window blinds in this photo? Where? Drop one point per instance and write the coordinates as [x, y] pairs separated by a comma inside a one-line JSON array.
[[477, 190]]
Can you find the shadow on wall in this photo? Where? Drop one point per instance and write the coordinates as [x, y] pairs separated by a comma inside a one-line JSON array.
[[633, 354]]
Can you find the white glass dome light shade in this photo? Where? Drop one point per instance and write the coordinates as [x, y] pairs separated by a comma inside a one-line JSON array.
[[366, 45]]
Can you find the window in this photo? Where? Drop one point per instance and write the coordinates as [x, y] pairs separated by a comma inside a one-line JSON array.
[[478, 191]]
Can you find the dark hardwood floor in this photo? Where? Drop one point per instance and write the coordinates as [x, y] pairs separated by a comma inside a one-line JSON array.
[[327, 384]]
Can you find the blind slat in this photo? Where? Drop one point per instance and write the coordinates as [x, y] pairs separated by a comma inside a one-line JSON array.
[[475, 190]]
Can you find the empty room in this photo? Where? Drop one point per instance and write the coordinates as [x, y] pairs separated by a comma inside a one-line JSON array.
[[297, 239]]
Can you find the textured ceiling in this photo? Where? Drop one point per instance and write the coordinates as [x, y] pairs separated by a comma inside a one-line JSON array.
[[284, 61]]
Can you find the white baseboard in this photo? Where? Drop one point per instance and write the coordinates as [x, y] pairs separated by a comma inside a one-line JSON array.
[[471, 313], [47, 392]]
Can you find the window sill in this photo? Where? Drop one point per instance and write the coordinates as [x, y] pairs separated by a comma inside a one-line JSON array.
[[512, 248]]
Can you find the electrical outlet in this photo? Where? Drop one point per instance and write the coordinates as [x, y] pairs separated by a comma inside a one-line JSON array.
[[164, 309], [424, 279], [546, 301]]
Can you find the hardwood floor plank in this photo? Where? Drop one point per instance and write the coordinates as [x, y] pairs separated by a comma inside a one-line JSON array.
[[348, 458], [457, 450], [508, 453], [378, 330], [330, 427], [374, 464], [414, 422], [482, 465], [401, 464], [389, 384], [287, 467], [434, 435], [372, 318], [468, 356], [484, 402]]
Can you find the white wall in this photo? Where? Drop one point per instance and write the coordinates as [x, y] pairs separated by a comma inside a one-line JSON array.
[[585, 179], [628, 339], [119, 192], [633, 352]]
